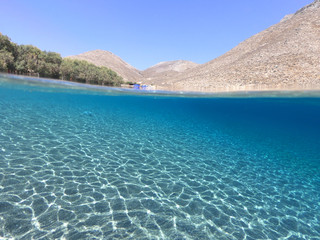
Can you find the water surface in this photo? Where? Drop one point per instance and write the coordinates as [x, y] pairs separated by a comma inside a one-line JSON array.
[[103, 164]]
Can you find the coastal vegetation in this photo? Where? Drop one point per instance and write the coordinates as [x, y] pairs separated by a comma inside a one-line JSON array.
[[30, 60]]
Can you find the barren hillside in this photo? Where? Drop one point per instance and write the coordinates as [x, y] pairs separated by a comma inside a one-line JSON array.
[[158, 72], [285, 56]]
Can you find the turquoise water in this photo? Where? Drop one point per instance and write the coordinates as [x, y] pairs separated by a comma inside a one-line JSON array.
[[89, 164]]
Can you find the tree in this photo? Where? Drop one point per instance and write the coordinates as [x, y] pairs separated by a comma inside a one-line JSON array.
[[8, 53], [6, 60], [49, 64], [6, 44], [28, 60], [84, 72], [67, 69]]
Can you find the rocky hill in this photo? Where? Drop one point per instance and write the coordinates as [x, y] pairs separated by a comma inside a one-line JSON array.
[[284, 56], [154, 74], [169, 69], [110, 60]]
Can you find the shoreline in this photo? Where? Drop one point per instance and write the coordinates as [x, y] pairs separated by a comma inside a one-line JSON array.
[[231, 91], [244, 88]]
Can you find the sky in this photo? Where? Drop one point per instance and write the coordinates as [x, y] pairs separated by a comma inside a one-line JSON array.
[[141, 32]]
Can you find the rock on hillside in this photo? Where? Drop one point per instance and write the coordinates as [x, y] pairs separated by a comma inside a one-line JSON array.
[[110, 60], [284, 56], [169, 69]]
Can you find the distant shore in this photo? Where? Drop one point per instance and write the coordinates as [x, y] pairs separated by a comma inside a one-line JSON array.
[[220, 92], [238, 89]]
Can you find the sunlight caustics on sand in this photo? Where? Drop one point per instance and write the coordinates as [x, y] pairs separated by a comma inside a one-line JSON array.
[[88, 164]]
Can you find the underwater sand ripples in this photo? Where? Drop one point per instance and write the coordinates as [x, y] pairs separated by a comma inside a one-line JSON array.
[[105, 173]]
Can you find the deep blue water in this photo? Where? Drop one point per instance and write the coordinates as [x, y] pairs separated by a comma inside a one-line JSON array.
[[89, 164]]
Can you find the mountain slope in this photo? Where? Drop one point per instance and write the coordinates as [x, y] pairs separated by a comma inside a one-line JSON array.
[[285, 56], [156, 73], [110, 60]]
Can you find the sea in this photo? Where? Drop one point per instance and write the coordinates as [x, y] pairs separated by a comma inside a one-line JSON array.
[[86, 162]]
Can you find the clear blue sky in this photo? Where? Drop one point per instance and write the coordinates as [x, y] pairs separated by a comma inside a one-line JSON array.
[[141, 32]]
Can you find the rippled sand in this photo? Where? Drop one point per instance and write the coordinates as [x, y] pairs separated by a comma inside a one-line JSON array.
[[83, 166]]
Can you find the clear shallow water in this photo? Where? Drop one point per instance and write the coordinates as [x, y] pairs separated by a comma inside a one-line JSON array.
[[80, 164]]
